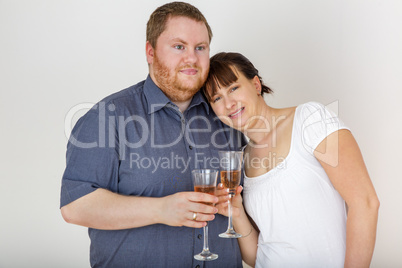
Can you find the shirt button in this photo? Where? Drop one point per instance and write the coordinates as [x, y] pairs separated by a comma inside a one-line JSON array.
[[199, 236], [197, 266], [191, 147]]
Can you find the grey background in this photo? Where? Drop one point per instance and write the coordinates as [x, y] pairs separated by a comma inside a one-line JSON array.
[[56, 56]]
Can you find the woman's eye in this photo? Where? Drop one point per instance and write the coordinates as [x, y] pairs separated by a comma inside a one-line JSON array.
[[216, 99], [233, 89], [179, 47], [200, 48]]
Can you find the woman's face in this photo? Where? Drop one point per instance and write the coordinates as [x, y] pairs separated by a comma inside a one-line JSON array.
[[238, 104]]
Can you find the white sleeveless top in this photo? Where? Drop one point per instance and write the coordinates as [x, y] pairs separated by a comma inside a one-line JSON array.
[[301, 217]]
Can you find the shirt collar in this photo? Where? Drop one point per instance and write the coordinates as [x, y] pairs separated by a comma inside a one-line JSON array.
[[198, 99], [157, 100]]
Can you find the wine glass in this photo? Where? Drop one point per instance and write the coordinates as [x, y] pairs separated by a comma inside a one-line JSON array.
[[230, 163], [204, 181]]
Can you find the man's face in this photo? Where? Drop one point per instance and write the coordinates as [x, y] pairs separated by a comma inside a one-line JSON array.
[[180, 62]]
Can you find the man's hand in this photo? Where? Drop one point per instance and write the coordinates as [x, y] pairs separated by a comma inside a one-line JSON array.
[[178, 209]]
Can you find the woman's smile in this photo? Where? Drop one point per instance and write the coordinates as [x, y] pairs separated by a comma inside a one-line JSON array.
[[237, 113]]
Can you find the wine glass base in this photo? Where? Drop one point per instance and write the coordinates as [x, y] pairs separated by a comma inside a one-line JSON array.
[[230, 235], [206, 256]]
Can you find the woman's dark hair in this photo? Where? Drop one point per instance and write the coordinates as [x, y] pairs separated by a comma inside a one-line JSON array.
[[221, 72]]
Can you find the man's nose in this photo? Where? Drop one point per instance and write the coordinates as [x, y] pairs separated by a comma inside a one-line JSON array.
[[190, 56]]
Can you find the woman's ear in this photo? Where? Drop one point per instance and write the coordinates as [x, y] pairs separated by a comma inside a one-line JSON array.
[[149, 52], [257, 84]]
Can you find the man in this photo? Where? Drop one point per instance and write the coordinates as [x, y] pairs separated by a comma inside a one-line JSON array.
[[129, 159]]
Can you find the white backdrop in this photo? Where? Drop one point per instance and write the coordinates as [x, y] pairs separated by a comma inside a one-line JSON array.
[[57, 54]]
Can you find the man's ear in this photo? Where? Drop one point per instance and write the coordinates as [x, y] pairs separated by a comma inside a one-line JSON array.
[[149, 51]]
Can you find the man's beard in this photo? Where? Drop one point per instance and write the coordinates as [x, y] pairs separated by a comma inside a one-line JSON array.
[[175, 89]]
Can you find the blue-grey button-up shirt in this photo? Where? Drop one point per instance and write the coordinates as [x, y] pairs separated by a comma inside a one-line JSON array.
[[137, 142]]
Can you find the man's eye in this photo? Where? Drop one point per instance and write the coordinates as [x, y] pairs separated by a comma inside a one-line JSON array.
[[179, 46], [200, 48]]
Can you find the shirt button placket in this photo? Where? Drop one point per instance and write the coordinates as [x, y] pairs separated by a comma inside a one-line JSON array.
[[183, 123]]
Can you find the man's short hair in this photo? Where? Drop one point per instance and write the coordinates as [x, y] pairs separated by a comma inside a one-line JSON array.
[[157, 21]]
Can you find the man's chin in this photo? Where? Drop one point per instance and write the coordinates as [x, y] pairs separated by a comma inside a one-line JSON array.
[[189, 86], [190, 83], [184, 95]]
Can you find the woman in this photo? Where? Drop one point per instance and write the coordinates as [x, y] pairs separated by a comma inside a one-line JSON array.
[[301, 166]]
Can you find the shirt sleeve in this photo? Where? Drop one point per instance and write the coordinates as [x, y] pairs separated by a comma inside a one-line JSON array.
[[92, 162], [317, 123]]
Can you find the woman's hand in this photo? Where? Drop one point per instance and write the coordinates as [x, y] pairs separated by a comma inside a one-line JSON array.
[[241, 222], [222, 205]]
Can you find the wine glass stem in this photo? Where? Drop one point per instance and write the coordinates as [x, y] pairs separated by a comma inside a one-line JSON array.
[[206, 247], [230, 226]]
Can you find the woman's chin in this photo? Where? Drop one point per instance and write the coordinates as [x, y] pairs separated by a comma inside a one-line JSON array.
[[238, 127]]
